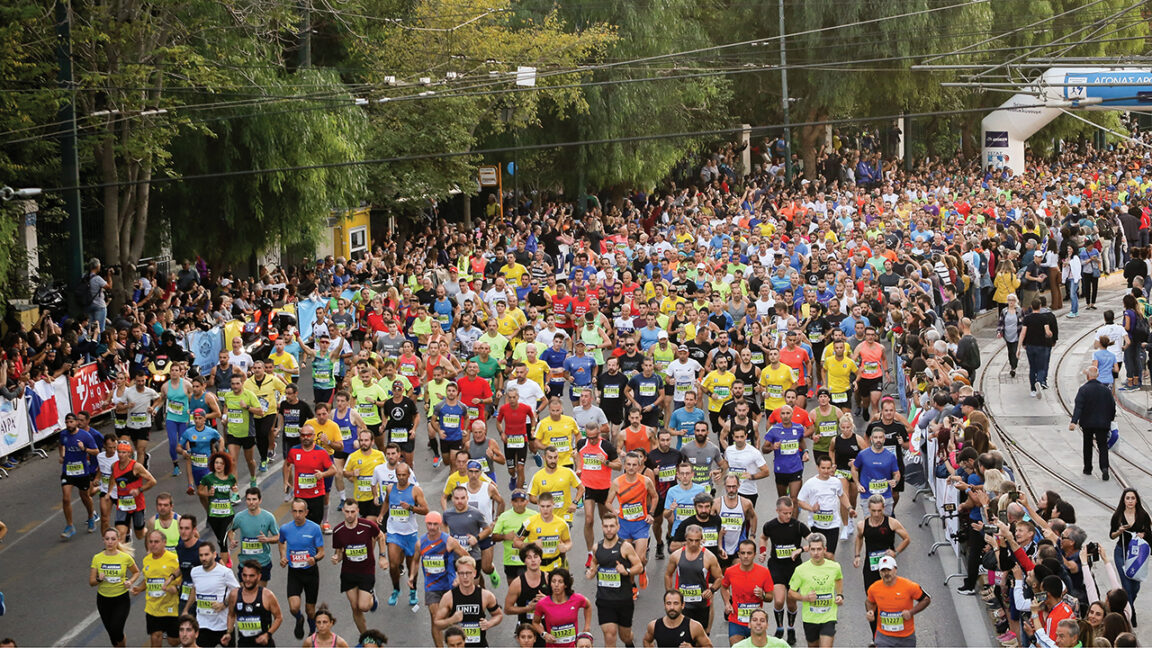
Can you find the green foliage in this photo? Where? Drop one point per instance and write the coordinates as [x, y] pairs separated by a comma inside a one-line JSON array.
[[227, 220]]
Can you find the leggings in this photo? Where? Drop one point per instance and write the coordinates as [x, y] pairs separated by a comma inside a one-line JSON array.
[[1091, 286], [262, 427], [220, 526], [114, 613], [175, 430]]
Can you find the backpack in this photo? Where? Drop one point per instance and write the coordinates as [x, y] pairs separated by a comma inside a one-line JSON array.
[[1139, 327], [84, 293]]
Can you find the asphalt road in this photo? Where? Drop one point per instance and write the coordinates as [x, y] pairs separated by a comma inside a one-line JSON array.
[[38, 567]]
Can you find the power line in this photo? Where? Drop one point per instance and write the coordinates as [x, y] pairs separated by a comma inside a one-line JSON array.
[[547, 146]]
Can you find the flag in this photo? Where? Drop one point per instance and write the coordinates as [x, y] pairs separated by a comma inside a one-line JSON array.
[[42, 409], [207, 346]]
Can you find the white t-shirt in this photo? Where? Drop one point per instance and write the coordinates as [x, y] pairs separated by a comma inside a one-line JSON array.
[[683, 376], [824, 495], [384, 476], [530, 393], [745, 463], [212, 586], [243, 361], [138, 403], [1116, 333]]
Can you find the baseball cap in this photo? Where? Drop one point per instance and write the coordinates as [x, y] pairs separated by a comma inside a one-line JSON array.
[[124, 445], [580, 342], [971, 401], [199, 411], [886, 562], [519, 494], [682, 347], [474, 465], [662, 335]]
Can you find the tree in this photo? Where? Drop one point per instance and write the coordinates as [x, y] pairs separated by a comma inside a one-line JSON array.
[[232, 219]]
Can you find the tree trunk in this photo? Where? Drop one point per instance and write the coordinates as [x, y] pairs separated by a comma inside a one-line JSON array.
[[811, 138]]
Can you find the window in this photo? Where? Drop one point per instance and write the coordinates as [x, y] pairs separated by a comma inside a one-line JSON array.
[[358, 240]]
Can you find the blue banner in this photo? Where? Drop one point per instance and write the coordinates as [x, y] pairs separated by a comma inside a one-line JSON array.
[[207, 346], [306, 315]]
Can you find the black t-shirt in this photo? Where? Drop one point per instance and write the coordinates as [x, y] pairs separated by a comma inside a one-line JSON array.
[[1034, 335], [536, 298], [785, 537], [711, 526], [294, 416], [402, 414], [630, 363], [658, 459], [619, 381], [728, 410], [699, 351]]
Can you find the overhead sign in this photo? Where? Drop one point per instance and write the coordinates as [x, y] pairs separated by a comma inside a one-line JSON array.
[[489, 176]]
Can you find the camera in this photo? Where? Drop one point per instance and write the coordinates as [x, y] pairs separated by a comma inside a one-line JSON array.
[[1093, 549]]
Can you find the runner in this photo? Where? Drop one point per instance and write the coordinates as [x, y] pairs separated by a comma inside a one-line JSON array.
[[444, 425], [785, 534], [197, 443], [876, 537], [612, 385], [212, 582], [526, 590], [683, 375], [113, 572], [301, 544], [614, 564], [823, 496], [466, 603], [507, 525], [717, 385], [330, 439], [485, 497], [759, 637], [776, 379], [269, 391], [557, 616], [141, 402], [893, 603], [558, 481], [166, 521], [876, 469], [106, 489], [745, 587], [679, 502], [293, 413], [548, 533], [253, 532], [513, 420], [695, 573], [359, 468], [240, 405], [789, 445], [873, 363], [558, 430], [682, 422], [737, 515], [475, 393], [253, 611], [405, 500], [438, 555], [175, 395], [663, 462], [220, 489], [400, 421], [746, 463], [325, 358], [824, 425], [705, 458], [355, 543], [469, 525], [188, 554], [306, 471], [595, 461], [323, 635], [645, 392], [350, 425], [838, 369], [484, 450], [77, 451], [161, 580], [702, 517], [675, 629], [636, 497], [131, 479], [844, 449], [799, 360], [897, 433], [819, 583], [636, 436]]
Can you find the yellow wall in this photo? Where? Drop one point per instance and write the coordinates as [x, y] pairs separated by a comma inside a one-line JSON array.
[[350, 222]]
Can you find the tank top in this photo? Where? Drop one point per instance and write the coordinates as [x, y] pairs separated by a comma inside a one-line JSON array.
[[596, 473], [323, 372], [691, 579], [481, 501], [106, 463], [633, 498], [431, 364], [345, 425], [877, 541], [593, 341], [400, 520], [172, 533], [126, 481], [670, 637], [472, 605], [637, 439], [846, 451], [733, 526], [870, 357], [479, 452], [335, 638], [223, 378], [527, 593], [195, 403], [176, 402], [252, 619], [438, 566], [407, 367], [611, 585]]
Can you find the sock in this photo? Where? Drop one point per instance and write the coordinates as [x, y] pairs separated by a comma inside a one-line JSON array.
[[792, 619], [779, 614], [296, 615], [629, 644], [311, 625]]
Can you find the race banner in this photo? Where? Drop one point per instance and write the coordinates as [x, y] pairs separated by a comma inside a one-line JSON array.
[[89, 393], [13, 426]]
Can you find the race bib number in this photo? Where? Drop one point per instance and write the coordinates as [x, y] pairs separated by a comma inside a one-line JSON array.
[[398, 435], [516, 442], [692, 593], [822, 605], [126, 503], [874, 559], [346, 433], [878, 486], [840, 399], [744, 612], [199, 460], [892, 621], [563, 444], [870, 367], [306, 481], [731, 521], [451, 421], [564, 633], [844, 474], [220, 509], [155, 587], [632, 511], [648, 389], [249, 626], [473, 412], [471, 632], [251, 547], [75, 469], [593, 462], [366, 409], [828, 428], [111, 573], [204, 602], [356, 553], [784, 552], [299, 559], [292, 431], [681, 389], [711, 537], [612, 391], [364, 485], [550, 545], [175, 408], [606, 577], [138, 418], [667, 474], [399, 514], [789, 447], [433, 564], [823, 517], [722, 392], [235, 417], [775, 391], [684, 512]]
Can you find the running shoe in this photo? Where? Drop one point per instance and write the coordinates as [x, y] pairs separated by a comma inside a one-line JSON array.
[[175, 470], [642, 580], [326, 528], [263, 465], [375, 604], [412, 601], [966, 591], [252, 482], [3, 607], [190, 491], [659, 551], [69, 531], [436, 461], [288, 497], [91, 525], [495, 578], [538, 460], [791, 636], [512, 484], [147, 459], [588, 562], [298, 631], [393, 598]]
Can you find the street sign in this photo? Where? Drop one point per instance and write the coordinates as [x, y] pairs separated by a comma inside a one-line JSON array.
[[489, 176]]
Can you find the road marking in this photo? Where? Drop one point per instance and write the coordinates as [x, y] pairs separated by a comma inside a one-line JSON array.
[[28, 527]]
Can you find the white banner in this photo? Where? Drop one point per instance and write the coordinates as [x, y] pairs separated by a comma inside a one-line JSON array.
[[947, 497], [48, 407], [13, 426]]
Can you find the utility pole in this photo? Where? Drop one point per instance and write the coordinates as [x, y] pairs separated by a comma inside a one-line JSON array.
[[69, 162], [305, 60], [784, 89]]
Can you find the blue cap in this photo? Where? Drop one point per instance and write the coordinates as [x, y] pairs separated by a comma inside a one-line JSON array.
[[474, 465]]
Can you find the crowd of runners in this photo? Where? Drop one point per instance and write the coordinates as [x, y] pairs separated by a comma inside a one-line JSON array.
[[605, 393]]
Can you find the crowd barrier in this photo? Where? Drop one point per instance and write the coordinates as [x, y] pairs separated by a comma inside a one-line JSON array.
[[946, 497]]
